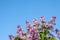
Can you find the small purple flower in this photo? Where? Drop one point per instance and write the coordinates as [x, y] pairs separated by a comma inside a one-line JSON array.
[[35, 21], [11, 37], [42, 19], [36, 30], [52, 20]]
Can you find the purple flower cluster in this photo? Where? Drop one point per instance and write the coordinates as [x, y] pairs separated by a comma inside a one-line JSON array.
[[34, 29]]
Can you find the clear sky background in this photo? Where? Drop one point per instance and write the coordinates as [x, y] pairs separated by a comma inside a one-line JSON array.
[[14, 12]]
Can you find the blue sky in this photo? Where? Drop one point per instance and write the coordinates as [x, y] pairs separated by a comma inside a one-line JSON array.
[[14, 12]]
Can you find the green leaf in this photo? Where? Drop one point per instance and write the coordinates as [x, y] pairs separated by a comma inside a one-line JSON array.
[[54, 38], [46, 31], [49, 38], [42, 36], [17, 38]]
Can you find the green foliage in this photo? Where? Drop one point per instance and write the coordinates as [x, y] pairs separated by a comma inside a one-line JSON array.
[[51, 38], [42, 36], [17, 38], [46, 31]]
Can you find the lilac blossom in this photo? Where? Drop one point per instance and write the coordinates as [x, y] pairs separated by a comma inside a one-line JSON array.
[[37, 30]]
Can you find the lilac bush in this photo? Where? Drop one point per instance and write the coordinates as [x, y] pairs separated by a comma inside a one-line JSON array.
[[37, 30]]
